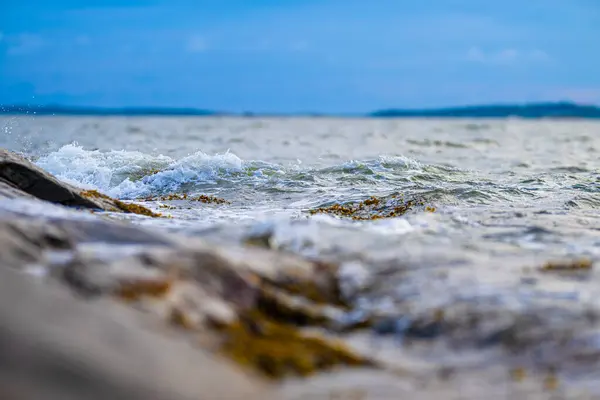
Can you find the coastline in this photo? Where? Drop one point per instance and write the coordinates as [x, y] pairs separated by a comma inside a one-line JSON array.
[[554, 110]]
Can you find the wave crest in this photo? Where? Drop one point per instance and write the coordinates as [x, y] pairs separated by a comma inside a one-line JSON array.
[[131, 174]]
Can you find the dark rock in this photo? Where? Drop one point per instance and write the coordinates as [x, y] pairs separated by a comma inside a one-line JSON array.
[[18, 175], [32, 180]]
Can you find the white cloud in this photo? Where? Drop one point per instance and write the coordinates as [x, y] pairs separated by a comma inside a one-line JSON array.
[[508, 56], [24, 43], [196, 44]]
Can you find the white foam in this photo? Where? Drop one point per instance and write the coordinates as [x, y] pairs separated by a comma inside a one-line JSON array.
[[400, 161], [110, 171]]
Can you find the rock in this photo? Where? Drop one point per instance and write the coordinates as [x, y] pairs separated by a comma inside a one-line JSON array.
[[248, 305], [248, 317], [18, 174], [56, 347], [314, 280], [24, 242], [9, 191], [32, 180], [110, 232], [126, 312], [27, 240]]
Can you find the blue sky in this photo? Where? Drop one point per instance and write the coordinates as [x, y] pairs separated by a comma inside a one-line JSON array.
[[298, 55]]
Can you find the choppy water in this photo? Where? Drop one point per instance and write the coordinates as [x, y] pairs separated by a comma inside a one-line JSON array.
[[509, 195]]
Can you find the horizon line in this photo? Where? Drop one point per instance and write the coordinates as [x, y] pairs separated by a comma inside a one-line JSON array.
[[506, 109]]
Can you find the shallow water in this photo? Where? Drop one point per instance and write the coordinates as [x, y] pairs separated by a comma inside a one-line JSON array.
[[509, 195]]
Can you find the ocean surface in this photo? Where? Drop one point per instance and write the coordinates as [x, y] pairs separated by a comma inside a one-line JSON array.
[[496, 200]]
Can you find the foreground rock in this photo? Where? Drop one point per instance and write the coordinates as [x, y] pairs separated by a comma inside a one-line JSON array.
[[242, 305], [21, 178], [57, 348], [222, 316], [178, 318]]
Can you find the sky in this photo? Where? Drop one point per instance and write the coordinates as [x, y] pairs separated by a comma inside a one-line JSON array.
[[336, 56]]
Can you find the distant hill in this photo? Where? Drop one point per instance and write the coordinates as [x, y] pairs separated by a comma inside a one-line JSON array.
[[533, 110], [92, 111]]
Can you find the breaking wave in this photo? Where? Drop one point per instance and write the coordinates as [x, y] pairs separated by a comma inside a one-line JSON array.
[[132, 174]]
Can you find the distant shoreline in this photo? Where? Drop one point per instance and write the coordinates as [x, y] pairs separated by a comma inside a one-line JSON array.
[[528, 111]]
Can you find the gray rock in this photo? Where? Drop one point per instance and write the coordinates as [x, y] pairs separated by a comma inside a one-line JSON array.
[[24, 242], [55, 347], [176, 282], [10, 191]]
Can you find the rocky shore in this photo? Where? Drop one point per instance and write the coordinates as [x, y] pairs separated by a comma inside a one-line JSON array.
[[104, 309], [100, 309]]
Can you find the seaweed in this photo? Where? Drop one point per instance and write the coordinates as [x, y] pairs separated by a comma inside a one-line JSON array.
[[373, 208], [207, 199], [126, 207], [134, 290], [137, 209], [95, 194], [577, 265], [278, 350], [267, 335]]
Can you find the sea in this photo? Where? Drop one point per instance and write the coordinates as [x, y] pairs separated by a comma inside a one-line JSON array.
[[503, 225]]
